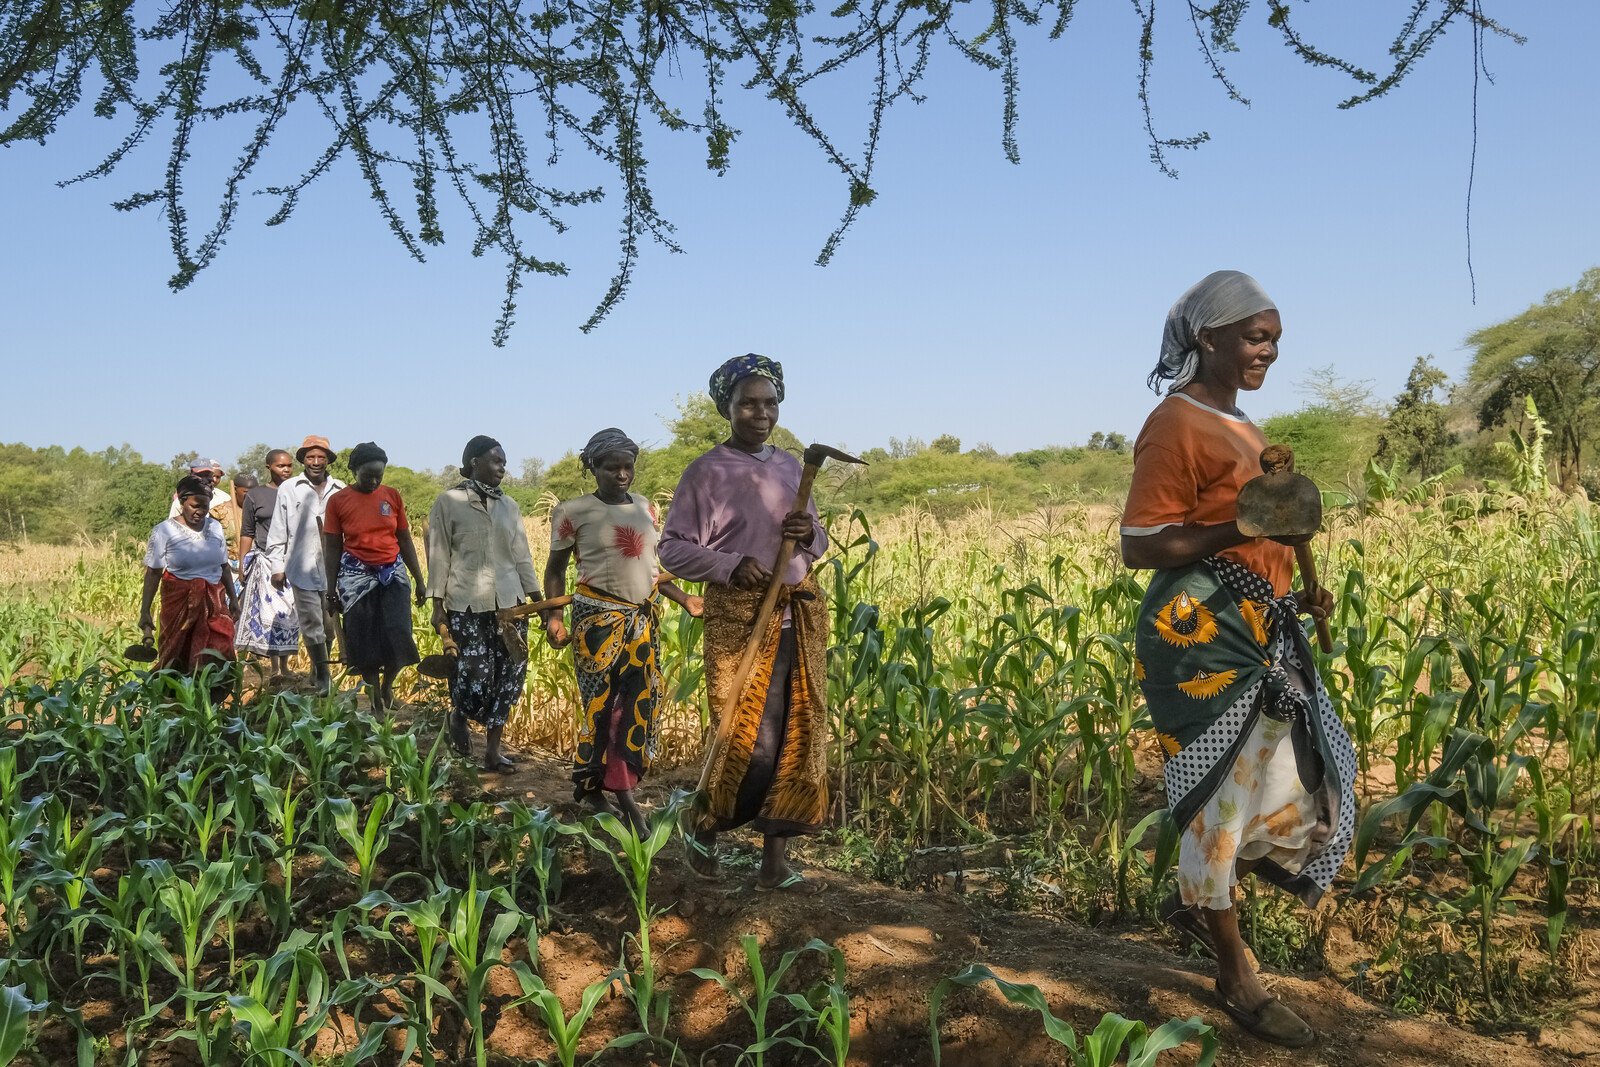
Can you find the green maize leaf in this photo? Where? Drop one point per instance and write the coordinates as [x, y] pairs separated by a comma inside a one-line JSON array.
[[16, 1011]]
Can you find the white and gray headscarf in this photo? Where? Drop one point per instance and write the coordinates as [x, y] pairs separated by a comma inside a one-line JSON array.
[[1219, 298]]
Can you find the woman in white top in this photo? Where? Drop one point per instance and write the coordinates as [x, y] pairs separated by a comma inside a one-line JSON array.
[[187, 559], [616, 615]]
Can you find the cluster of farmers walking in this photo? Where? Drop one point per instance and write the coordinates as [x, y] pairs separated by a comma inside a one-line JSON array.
[[1259, 770], [321, 560]]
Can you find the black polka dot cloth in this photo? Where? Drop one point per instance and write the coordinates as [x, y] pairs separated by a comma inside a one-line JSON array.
[[1189, 767]]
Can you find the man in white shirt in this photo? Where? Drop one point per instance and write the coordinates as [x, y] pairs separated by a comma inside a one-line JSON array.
[[294, 549]]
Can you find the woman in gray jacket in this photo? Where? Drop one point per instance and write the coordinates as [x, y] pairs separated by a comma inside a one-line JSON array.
[[478, 562]]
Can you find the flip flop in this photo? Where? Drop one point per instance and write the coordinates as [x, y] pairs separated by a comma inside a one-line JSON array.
[[796, 884], [499, 766], [1272, 1022], [1191, 928], [692, 848]]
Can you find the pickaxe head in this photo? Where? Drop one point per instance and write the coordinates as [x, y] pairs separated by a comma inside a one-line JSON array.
[[816, 453]]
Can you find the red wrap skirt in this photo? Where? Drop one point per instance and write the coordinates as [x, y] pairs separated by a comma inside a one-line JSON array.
[[194, 621]]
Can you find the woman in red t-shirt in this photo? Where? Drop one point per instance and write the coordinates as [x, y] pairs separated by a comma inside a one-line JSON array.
[[365, 540]]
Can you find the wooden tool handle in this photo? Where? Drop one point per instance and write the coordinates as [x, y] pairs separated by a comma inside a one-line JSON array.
[[747, 662], [1308, 575]]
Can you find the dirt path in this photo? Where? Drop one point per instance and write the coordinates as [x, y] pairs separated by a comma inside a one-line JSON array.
[[899, 944]]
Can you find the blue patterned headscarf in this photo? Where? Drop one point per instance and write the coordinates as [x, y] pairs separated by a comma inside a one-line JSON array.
[[731, 373]]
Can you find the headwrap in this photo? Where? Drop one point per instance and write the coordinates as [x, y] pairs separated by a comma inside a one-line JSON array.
[[604, 443], [1220, 298], [731, 373], [189, 485], [365, 453], [475, 448]]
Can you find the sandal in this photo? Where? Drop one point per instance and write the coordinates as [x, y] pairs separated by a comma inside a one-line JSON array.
[[796, 884], [503, 765], [695, 854], [1191, 928], [460, 736], [1272, 1022]]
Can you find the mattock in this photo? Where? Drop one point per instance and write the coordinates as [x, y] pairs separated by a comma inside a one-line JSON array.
[[1286, 507]]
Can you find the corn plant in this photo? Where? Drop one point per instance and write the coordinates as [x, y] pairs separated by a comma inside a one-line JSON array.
[[268, 1011], [634, 867], [764, 989], [16, 1018], [427, 919], [197, 908], [476, 955], [281, 805], [1101, 1048], [366, 842], [565, 1030], [525, 842]]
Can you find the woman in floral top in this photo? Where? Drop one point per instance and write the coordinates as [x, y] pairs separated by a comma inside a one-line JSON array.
[[616, 616]]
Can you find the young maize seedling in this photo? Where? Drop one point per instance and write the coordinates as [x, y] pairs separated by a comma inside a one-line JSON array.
[[526, 843], [269, 1010], [464, 935], [366, 842], [763, 991], [197, 908], [634, 866], [565, 1030], [281, 806], [427, 921], [1102, 1047]]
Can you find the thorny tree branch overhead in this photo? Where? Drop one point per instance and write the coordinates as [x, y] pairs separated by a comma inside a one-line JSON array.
[[422, 73]]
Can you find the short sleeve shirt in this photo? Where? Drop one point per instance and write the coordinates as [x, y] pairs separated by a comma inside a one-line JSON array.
[[187, 554], [369, 522], [258, 504], [615, 544], [1189, 463]]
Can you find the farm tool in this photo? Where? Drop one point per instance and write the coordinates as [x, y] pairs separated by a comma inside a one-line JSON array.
[[1286, 507], [815, 456]]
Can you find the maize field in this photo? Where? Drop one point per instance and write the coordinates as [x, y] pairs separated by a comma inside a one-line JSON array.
[[281, 879]]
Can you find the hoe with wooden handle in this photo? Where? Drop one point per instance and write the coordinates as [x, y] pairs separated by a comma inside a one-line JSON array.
[[815, 455], [1286, 507]]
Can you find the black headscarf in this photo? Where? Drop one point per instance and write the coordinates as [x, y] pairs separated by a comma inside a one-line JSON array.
[[475, 448], [189, 485], [365, 453], [604, 443]]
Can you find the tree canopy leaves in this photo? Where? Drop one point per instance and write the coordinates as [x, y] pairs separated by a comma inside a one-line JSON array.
[[408, 87], [1551, 353]]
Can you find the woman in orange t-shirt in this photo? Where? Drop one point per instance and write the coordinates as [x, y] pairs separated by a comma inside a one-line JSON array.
[[366, 538], [1259, 770]]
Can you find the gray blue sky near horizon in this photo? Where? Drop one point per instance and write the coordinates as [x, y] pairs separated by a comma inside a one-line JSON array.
[[1015, 305]]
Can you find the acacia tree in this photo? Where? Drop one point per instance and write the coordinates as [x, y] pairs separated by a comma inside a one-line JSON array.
[[1550, 352], [406, 86], [1416, 430]]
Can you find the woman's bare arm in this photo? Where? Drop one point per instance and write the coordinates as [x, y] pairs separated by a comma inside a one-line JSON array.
[[1178, 546]]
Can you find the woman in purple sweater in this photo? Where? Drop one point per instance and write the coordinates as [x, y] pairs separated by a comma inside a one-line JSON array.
[[728, 517]]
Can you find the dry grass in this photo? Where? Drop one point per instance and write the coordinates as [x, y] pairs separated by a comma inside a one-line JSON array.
[[36, 566]]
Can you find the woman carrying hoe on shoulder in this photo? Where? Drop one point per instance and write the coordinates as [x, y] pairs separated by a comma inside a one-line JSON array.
[[366, 538], [1259, 771], [187, 561], [616, 620], [478, 562]]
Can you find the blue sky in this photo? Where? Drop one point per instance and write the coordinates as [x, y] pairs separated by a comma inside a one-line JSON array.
[[1017, 305]]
